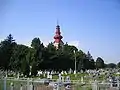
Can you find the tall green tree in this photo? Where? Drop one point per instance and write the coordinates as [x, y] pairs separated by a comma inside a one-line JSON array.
[[111, 65], [6, 51], [37, 53], [19, 57], [25, 67], [99, 63], [118, 64]]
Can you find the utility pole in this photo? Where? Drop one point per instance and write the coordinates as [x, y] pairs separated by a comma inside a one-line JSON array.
[[75, 61]]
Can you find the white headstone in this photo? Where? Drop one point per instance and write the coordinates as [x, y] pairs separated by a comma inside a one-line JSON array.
[[74, 72], [5, 83], [70, 71], [59, 75], [6, 74], [21, 87], [18, 75], [118, 83], [95, 86], [62, 73], [44, 74], [56, 87], [11, 86], [68, 79], [81, 79], [48, 74], [60, 78], [65, 73]]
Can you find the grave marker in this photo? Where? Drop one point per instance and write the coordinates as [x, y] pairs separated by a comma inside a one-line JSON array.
[[21, 87], [5, 83], [12, 85]]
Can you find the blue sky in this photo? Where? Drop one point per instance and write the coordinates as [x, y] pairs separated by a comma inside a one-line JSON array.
[[91, 25]]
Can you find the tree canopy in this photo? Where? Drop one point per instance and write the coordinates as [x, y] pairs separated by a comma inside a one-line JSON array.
[[20, 58]]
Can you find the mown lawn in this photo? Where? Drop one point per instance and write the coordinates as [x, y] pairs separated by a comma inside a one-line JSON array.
[[72, 76]]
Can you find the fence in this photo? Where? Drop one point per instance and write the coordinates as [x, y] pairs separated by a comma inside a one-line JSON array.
[[29, 84]]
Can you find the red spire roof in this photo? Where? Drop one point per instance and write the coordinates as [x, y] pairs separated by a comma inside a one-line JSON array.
[[57, 36]]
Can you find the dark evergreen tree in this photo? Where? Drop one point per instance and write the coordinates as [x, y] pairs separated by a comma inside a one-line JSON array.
[[111, 65], [100, 63], [118, 64], [6, 51]]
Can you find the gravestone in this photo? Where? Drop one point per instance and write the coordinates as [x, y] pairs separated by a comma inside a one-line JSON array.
[[68, 79], [62, 73], [65, 73], [21, 87], [81, 79], [5, 83], [56, 86], [30, 70], [6, 74], [18, 75], [31, 86], [81, 71], [74, 72], [48, 74], [118, 84], [11, 86], [44, 75], [51, 72], [95, 86], [70, 71], [62, 78], [59, 75]]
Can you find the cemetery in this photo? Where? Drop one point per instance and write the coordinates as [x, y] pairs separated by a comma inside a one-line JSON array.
[[59, 45], [99, 80], [55, 67]]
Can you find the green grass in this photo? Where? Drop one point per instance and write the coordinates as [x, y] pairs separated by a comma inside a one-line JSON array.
[[116, 74], [72, 76]]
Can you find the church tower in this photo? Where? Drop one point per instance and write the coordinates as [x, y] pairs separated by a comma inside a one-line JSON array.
[[58, 38]]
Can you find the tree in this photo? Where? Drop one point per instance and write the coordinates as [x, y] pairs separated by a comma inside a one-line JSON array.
[[6, 51], [99, 63], [118, 64], [25, 68], [37, 51], [91, 61], [36, 43], [111, 65], [19, 58], [34, 68], [92, 64]]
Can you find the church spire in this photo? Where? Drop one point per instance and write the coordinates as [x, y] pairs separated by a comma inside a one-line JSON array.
[[58, 37]]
